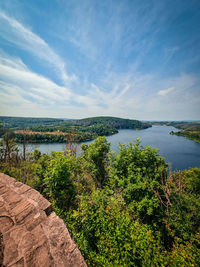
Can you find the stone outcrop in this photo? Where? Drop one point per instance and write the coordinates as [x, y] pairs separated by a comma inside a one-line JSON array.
[[32, 234]]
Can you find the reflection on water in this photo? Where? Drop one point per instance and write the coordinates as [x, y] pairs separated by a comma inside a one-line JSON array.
[[180, 152]]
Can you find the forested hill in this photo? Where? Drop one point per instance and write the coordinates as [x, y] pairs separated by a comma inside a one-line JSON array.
[[29, 122], [115, 122], [24, 122], [47, 130]]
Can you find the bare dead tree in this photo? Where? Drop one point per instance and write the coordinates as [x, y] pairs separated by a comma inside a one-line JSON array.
[[24, 147], [71, 144]]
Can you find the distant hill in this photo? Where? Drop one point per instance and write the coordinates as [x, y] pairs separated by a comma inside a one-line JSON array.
[[26, 122], [23, 122], [183, 125], [48, 130], [189, 129], [115, 122]]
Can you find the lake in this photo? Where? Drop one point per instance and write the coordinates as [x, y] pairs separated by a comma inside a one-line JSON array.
[[179, 152]]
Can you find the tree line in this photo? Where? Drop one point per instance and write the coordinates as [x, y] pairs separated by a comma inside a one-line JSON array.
[[193, 135], [55, 130]]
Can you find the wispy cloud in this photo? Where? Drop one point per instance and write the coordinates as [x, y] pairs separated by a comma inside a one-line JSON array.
[[21, 87], [129, 96], [15, 72], [32, 87], [127, 59], [18, 34]]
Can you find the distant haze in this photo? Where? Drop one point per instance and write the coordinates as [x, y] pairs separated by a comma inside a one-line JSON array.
[[77, 59]]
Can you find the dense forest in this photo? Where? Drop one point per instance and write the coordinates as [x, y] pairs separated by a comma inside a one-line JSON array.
[[122, 209], [35, 130], [117, 123], [25, 122]]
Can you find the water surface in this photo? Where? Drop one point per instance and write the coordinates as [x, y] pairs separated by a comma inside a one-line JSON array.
[[180, 152]]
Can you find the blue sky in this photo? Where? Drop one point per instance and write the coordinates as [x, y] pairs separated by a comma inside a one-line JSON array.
[[76, 59]]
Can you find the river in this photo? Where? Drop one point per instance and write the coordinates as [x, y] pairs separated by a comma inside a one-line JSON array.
[[179, 152]]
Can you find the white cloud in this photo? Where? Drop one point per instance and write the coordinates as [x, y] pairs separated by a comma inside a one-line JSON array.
[[20, 84], [166, 91], [15, 74], [11, 95], [16, 33], [23, 92]]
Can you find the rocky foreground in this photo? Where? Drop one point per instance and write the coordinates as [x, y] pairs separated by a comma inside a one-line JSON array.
[[30, 232]]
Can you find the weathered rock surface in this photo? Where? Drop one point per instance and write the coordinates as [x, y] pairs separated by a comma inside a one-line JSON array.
[[32, 235]]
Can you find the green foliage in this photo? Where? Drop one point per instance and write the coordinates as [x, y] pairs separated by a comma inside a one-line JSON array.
[[114, 122], [21, 122], [185, 203], [7, 146], [185, 254], [108, 236], [36, 155], [43, 162], [58, 180], [96, 158], [138, 172], [40, 138], [26, 172], [46, 130], [122, 209]]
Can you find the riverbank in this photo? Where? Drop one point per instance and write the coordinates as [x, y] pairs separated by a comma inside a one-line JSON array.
[[192, 135], [180, 153]]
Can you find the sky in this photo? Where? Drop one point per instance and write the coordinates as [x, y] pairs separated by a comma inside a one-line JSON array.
[[84, 58]]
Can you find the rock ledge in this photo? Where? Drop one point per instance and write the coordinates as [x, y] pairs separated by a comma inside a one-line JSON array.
[[32, 234]]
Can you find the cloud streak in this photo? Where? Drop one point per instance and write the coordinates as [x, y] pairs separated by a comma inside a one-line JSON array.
[[16, 33], [20, 87], [126, 59], [14, 72]]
